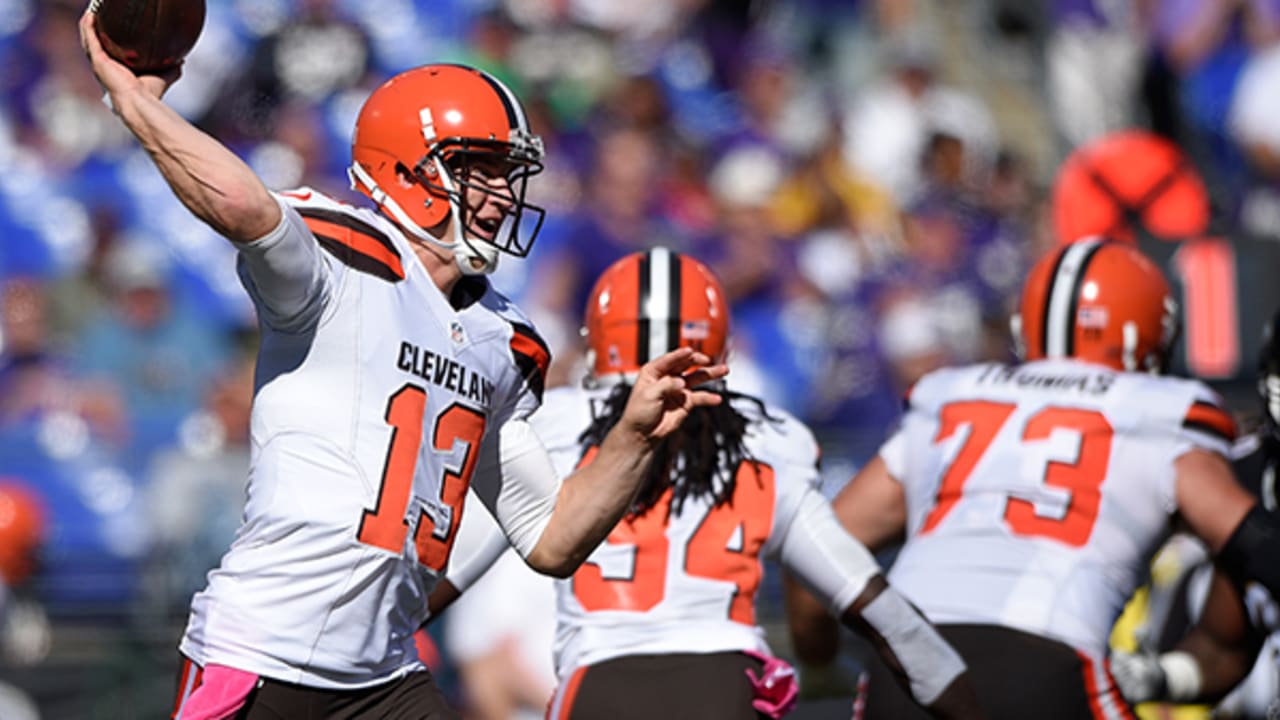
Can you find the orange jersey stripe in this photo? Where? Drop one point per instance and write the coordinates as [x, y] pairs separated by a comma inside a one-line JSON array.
[[1212, 419], [361, 243], [1090, 670], [191, 676], [570, 694], [531, 349]]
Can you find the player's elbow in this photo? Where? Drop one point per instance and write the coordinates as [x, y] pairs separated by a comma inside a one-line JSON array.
[[244, 213], [556, 564]]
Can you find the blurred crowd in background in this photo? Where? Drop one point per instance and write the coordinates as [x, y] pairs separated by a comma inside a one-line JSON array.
[[869, 178]]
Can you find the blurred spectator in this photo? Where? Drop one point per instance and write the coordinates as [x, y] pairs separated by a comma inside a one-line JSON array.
[[24, 627], [780, 109], [1205, 45], [615, 217], [918, 333], [1094, 63], [888, 127], [314, 56], [970, 262], [36, 382], [56, 103], [757, 270], [1252, 124], [32, 379], [195, 489], [846, 224], [159, 355]]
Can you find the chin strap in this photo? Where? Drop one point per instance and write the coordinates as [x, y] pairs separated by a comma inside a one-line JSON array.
[[462, 250]]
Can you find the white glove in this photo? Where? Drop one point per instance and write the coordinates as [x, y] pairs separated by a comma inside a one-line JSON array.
[[1173, 676], [1139, 676]]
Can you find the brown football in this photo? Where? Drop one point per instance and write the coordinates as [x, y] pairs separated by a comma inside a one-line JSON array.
[[149, 36]]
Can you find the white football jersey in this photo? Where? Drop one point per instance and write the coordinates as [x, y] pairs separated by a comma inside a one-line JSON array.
[[685, 582], [1036, 494], [373, 405]]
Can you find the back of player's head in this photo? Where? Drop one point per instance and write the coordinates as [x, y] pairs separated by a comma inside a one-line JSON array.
[[650, 303], [1269, 375], [1099, 301], [21, 531]]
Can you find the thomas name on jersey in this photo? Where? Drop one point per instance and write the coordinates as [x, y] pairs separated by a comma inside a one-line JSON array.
[[1090, 384], [445, 372]]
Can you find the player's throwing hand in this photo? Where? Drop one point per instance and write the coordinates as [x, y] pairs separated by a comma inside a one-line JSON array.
[[117, 79]]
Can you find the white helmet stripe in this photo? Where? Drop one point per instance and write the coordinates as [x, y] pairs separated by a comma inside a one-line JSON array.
[[1059, 323], [428, 125], [515, 111], [658, 304]]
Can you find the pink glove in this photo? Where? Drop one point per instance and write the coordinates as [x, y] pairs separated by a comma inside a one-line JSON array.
[[776, 689]]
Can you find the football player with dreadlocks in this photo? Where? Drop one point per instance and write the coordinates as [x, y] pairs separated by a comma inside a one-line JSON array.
[[1218, 652], [660, 620], [391, 376]]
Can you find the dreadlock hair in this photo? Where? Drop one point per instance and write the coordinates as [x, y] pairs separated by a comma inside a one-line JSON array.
[[701, 459]]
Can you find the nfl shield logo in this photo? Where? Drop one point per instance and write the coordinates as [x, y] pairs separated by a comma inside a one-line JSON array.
[[456, 334]]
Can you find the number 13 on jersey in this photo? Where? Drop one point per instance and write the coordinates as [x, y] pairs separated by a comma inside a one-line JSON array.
[[386, 526]]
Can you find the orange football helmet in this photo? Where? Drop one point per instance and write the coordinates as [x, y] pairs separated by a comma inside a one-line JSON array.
[[21, 531], [414, 141], [1100, 301], [650, 303]]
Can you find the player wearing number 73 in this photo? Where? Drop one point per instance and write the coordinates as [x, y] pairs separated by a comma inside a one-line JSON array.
[[660, 620], [1031, 496], [391, 376]]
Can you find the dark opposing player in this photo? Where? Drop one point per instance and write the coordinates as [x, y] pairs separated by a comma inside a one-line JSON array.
[[1219, 651], [391, 377]]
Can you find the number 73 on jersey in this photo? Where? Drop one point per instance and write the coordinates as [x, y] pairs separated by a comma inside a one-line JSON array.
[[1080, 478]]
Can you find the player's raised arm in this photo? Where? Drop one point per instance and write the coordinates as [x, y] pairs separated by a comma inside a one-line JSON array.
[[595, 497], [209, 179]]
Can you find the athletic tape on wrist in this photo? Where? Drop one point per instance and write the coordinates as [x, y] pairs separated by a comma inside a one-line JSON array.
[[1181, 675], [929, 661]]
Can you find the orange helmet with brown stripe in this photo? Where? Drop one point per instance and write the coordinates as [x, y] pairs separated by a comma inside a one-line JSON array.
[[650, 303], [1099, 301], [416, 141]]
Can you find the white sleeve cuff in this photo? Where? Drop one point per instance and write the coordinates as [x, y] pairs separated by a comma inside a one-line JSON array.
[[522, 493], [825, 557]]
